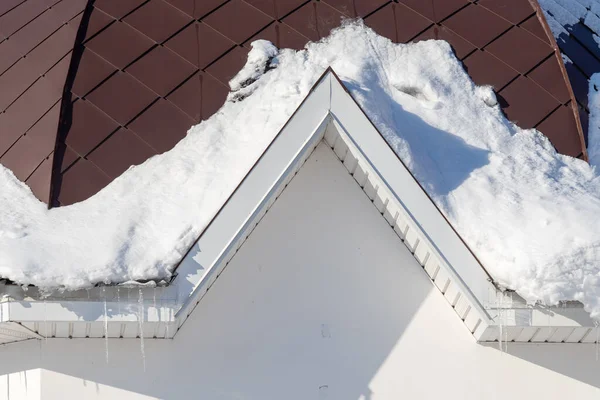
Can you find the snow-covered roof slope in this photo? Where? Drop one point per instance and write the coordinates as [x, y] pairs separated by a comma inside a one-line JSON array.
[[531, 216], [576, 26]]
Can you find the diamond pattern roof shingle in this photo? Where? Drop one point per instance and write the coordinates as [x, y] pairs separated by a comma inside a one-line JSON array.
[[144, 71], [575, 26], [36, 42]]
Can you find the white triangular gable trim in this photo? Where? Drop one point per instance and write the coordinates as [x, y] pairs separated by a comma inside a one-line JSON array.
[[386, 180], [328, 113]]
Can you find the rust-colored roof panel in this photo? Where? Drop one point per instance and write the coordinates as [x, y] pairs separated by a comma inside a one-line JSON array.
[[146, 70], [34, 62], [39, 181], [158, 20], [545, 75], [26, 154], [162, 126], [65, 10], [196, 8], [161, 70], [10, 54], [89, 127], [561, 129], [21, 166], [200, 96], [82, 180], [314, 20], [408, 22], [485, 69], [96, 70], [383, 22], [534, 26], [30, 106], [237, 20], [199, 44], [43, 133], [21, 15], [525, 103], [435, 10], [281, 35], [514, 11], [122, 97], [477, 24], [34, 148], [119, 44], [461, 47], [119, 152], [117, 9], [95, 23], [520, 49], [356, 8], [51, 50], [277, 9], [227, 66], [7, 5], [64, 158]]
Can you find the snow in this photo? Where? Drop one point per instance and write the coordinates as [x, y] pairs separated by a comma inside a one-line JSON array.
[[532, 216], [594, 120]]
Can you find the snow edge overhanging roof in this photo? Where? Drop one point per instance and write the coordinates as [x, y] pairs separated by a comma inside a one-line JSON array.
[[329, 114]]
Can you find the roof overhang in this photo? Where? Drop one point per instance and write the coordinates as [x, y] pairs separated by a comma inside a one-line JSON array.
[[330, 114]]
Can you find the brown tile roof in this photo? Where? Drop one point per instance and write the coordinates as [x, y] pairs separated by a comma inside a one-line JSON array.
[[36, 42], [144, 71], [577, 40]]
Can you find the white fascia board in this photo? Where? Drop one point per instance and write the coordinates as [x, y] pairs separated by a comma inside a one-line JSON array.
[[328, 113]]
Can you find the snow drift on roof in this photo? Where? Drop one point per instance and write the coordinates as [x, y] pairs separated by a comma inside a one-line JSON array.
[[532, 216]]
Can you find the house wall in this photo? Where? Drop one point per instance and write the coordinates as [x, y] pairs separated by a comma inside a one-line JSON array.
[[323, 301]]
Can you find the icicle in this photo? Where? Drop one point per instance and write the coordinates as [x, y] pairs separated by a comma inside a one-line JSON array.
[[155, 309], [597, 337], [105, 324], [141, 321], [45, 322], [500, 321], [119, 299], [168, 323]]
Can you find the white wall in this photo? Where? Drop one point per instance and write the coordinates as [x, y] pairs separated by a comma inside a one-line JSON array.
[[322, 302]]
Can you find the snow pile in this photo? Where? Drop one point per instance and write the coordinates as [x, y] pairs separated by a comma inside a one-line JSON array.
[[531, 215]]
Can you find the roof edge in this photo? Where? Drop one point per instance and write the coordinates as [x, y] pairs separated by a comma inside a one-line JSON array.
[[540, 16]]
